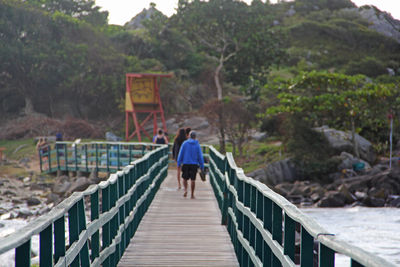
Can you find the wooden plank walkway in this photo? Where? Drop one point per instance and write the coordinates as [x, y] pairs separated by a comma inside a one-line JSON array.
[[178, 231]]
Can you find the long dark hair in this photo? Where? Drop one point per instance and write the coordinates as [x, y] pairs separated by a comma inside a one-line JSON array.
[[180, 136]]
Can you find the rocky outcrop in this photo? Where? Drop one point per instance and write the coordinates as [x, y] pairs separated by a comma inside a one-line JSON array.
[[137, 21], [373, 189], [276, 172], [380, 21], [342, 141]]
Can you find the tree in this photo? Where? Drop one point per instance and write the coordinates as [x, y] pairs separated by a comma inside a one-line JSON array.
[[81, 9], [341, 101], [238, 39]]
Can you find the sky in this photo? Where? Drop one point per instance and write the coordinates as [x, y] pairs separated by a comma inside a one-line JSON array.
[[122, 11]]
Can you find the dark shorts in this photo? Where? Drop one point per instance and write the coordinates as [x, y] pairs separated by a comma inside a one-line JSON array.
[[189, 171]]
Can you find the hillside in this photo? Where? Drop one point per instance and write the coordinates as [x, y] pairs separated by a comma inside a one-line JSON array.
[[63, 65]]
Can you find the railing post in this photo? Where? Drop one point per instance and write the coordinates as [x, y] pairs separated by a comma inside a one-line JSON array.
[[306, 249], [49, 156], [107, 158], [267, 259], [94, 215], [73, 226], [277, 230], [118, 157], [57, 156], [86, 159], [84, 253], [66, 157], [46, 247], [105, 206], [326, 256], [23, 255], [290, 231], [97, 158], [224, 211], [76, 156], [354, 263], [59, 239], [130, 154]]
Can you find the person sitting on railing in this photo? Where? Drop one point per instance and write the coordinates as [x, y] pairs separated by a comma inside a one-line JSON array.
[[42, 148], [160, 138], [179, 139], [190, 157]]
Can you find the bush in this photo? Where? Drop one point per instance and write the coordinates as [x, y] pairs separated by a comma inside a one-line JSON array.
[[310, 150]]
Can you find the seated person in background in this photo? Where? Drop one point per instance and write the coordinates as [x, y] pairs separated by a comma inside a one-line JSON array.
[[42, 148]]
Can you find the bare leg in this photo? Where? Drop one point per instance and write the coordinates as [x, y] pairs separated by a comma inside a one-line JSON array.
[[185, 185], [179, 177], [192, 186]]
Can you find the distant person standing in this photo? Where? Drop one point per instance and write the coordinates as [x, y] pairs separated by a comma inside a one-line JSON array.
[[179, 139], [190, 158], [160, 138]]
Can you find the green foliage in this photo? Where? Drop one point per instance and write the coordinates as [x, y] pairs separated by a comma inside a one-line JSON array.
[[339, 100], [18, 149], [310, 149]]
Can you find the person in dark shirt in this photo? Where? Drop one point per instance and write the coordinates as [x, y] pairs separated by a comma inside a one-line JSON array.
[[179, 139], [160, 138]]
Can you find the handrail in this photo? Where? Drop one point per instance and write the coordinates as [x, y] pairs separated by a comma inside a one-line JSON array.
[[125, 197], [254, 215], [91, 156]]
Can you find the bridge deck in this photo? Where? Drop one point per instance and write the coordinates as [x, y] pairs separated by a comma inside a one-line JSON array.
[[178, 231]]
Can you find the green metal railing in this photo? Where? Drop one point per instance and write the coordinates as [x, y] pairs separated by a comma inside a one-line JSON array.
[[116, 209], [86, 157], [263, 224]]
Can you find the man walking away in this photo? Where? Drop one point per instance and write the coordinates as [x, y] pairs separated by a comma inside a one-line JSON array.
[[190, 158]]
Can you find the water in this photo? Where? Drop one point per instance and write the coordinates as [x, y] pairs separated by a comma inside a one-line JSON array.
[[376, 230], [10, 226]]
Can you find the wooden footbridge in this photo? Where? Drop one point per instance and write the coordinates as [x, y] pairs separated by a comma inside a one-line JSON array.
[[139, 218]]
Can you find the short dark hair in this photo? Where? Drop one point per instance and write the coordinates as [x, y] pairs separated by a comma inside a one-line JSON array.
[[160, 131], [187, 130], [193, 134]]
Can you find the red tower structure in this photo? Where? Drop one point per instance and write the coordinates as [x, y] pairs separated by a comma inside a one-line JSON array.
[[143, 96]]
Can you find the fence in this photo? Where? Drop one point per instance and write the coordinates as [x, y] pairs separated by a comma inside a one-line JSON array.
[[263, 224], [86, 157], [116, 209]]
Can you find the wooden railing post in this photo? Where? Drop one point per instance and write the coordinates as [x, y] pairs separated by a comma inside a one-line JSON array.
[[76, 156], [94, 215], [73, 227], [59, 238], [289, 241], [23, 255], [84, 253], [106, 227], [306, 249], [66, 157], [326, 256], [86, 159], [46, 247], [49, 157], [224, 211]]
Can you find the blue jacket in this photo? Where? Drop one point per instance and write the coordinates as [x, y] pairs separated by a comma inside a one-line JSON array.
[[190, 153]]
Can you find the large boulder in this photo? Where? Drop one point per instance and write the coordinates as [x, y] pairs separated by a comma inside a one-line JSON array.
[[276, 172], [342, 141], [348, 161]]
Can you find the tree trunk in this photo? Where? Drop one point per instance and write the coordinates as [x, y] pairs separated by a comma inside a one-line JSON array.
[[28, 110], [353, 137], [217, 81]]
